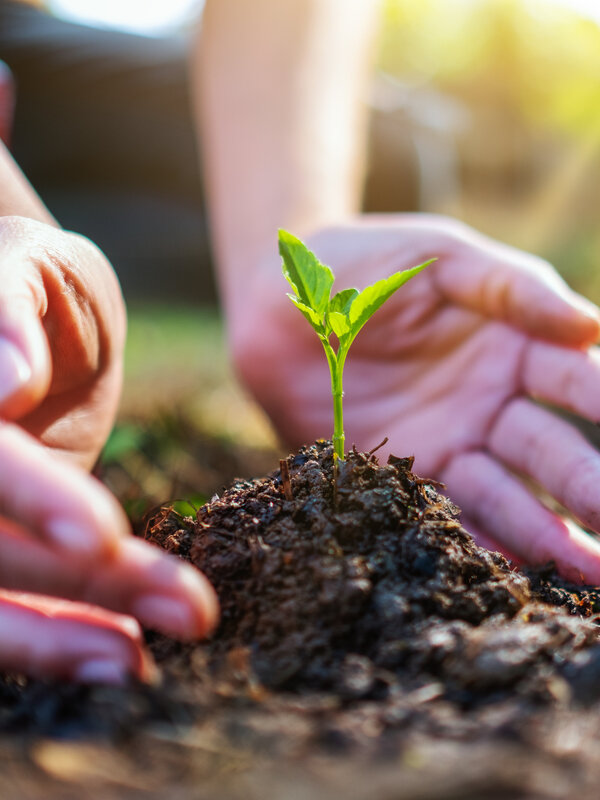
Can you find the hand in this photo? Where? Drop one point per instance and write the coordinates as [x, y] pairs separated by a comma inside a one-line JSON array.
[[448, 369], [62, 330], [65, 547]]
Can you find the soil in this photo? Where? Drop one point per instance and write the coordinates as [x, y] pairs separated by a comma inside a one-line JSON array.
[[367, 648]]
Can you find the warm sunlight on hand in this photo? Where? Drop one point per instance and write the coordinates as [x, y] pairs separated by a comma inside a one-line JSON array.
[[62, 535], [449, 369]]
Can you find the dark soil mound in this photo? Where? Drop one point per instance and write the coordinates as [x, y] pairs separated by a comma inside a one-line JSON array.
[[372, 585]]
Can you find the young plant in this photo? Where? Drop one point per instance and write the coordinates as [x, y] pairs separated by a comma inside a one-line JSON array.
[[342, 315]]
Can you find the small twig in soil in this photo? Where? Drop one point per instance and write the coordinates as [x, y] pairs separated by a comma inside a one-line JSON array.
[[429, 482], [377, 447], [286, 482]]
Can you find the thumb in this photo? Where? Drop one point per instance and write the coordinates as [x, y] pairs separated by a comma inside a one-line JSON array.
[[25, 363]]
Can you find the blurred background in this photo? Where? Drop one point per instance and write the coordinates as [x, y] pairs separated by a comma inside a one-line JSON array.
[[487, 110], [498, 102]]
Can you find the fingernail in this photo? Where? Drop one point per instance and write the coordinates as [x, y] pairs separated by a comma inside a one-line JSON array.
[[166, 614], [15, 372], [72, 537], [100, 670]]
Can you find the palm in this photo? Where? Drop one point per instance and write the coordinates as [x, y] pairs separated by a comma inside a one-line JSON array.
[[445, 370], [449, 385]]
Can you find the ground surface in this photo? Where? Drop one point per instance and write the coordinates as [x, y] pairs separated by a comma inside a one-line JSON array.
[[368, 649]]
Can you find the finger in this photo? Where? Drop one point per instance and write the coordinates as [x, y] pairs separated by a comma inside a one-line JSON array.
[[162, 591], [563, 376], [85, 319], [501, 505], [484, 539], [44, 637], [515, 287], [55, 501], [25, 364], [544, 447]]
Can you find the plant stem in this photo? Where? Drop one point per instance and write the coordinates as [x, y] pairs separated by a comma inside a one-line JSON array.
[[338, 424], [336, 368]]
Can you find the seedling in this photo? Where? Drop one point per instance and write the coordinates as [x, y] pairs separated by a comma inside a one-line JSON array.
[[342, 315]]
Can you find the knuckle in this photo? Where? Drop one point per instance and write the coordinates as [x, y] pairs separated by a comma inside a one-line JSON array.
[[14, 226]]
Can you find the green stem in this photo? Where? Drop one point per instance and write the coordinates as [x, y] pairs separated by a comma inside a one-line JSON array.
[[336, 368]]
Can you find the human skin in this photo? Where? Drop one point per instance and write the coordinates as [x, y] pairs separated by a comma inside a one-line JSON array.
[[279, 94], [60, 532], [451, 367], [74, 582]]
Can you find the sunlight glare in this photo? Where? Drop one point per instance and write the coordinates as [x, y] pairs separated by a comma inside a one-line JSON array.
[[585, 8], [150, 17]]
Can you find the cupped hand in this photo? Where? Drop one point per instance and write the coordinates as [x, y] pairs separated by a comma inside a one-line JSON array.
[[74, 583], [451, 369]]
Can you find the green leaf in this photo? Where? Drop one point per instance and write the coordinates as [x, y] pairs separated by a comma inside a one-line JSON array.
[[342, 315], [339, 323], [310, 280], [189, 506], [373, 297], [123, 440], [343, 300], [310, 315]]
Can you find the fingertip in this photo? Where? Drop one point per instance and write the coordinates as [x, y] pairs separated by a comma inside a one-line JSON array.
[[112, 645], [45, 637], [25, 364], [188, 611], [208, 610], [563, 316], [111, 524], [100, 670], [201, 594], [143, 667], [586, 321], [166, 593], [19, 391], [184, 618], [116, 668]]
